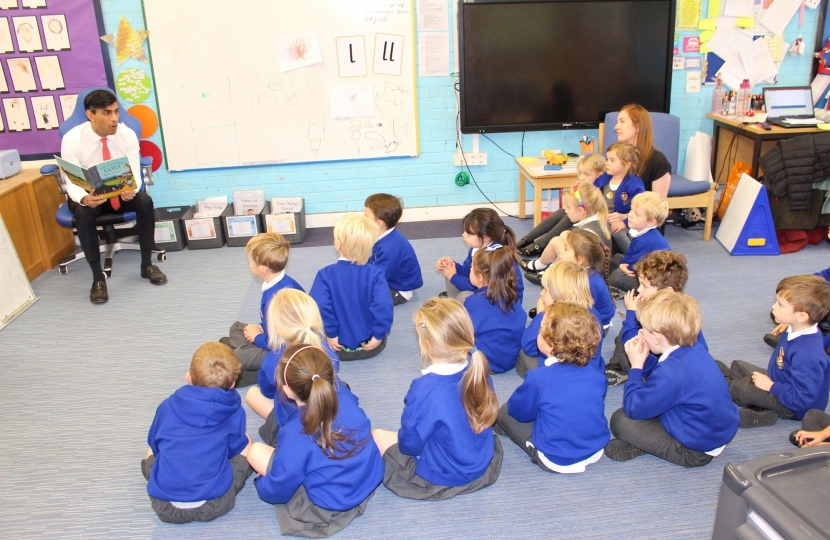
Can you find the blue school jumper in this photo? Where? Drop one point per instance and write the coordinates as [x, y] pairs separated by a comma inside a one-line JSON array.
[[603, 303], [567, 407], [436, 432], [331, 484], [354, 302], [631, 327], [824, 274], [631, 186], [688, 393], [461, 279], [498, 335], [195, 432], [642, 245], [394, 254], [531, 347], [286, 282], [800, 372]]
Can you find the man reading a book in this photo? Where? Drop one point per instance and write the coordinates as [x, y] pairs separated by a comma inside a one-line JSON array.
[[102, 139]]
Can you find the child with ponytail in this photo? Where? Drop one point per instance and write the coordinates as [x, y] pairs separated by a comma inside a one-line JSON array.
[[619, 186], [586, 208], [325, 468], [585, 249], [498, 317], [561, 282], [482, 227], [293, 319], [445, 446], [557, 415]]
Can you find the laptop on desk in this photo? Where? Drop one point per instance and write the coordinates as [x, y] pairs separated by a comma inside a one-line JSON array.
[[790, 107]]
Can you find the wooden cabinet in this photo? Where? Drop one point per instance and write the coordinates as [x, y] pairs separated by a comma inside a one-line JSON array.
[[28, 202]]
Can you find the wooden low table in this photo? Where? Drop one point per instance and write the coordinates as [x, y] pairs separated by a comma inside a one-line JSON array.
[[531, 171]]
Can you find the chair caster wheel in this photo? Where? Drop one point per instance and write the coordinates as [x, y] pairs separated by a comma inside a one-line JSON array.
[[161, 257], [63, 270]]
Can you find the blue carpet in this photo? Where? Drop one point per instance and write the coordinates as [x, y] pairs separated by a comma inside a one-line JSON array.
[[81, 384]]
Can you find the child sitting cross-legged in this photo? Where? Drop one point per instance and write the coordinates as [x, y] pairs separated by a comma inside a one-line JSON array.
[[797, 378], [353, 296], [557, 415], [445, 446], [683, 412]]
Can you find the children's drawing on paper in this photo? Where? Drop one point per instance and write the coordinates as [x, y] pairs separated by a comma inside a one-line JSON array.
[[46, 115], [212, 120], [28, 35], [8, 4], [298, 51], [351, 102], [17, 114], [6, 44], [23, 77], [34, 3], [4, 86], [49, 70], [317, 132], [68, 102], [55, 32], [391, 99]]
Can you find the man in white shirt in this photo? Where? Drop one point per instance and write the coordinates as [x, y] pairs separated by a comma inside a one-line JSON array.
[[99, 140]]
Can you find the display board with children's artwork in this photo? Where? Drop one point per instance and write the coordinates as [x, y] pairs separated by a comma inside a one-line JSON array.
[[48, 53], [262, 81]]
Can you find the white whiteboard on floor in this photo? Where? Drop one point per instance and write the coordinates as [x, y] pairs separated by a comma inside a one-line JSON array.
[[15, 293], [738, 211], [254, 82]]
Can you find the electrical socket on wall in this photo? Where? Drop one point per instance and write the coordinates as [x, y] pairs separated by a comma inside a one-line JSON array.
[[472, 158]]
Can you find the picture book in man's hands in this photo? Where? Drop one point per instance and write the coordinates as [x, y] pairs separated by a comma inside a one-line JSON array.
[[107, 179]]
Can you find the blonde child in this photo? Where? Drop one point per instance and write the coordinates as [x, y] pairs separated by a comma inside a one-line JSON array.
[[267, 259], [293, 319], [445, 446], [498, 316], [561, 282], [649, 211], [557, 415], [481, 227], [586, 208], [325, 468], [353, 296], [588, 169], [619, 186]]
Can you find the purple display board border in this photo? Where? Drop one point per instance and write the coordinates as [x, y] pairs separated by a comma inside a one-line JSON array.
[[84, 65]]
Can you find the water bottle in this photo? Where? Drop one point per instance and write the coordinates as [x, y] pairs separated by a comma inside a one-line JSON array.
[[743, 99], [717, 98]]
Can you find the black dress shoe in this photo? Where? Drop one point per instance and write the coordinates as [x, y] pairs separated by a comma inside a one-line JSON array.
[[531, 265], [534, 277], [532, 313], [98, 292], [155, 275], [442, 294], [793, 440], [532, 250], [771, 340]]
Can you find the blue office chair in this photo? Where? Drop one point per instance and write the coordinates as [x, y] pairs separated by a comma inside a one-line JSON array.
[[105, 222], [683, 193]]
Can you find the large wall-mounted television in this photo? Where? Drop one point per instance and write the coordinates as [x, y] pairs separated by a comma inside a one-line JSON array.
[[559, 64]]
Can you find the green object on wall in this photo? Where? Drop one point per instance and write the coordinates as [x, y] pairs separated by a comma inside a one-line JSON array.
[[462, 179], [133, 85]]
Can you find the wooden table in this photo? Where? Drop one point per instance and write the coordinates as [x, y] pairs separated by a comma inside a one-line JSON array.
[[748, 144], [530, 171], [28, 202]]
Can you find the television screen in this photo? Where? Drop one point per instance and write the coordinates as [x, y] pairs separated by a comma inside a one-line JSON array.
[[544, 65]]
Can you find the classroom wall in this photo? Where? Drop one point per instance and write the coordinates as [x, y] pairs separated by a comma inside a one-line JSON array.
[[427, 180]]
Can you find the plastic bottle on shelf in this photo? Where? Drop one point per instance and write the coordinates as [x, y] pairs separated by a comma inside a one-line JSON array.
[[717, 98], [742, 106]]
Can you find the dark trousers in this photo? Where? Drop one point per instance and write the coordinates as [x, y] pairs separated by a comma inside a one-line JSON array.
[[525, 364], [815, 420], [619, 360], [520, 433], [619, 279], [550, 228], [745, 393], [85, 217], [650, 436]]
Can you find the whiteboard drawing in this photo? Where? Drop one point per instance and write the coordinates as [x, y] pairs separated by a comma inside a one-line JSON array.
[[317, 132], [212, 122], [351, 56], [6, 44], [354, 134], [49, 70], [28, 34], [68, 104], [55, 32], [17, 114], [270, 104], [392, 99], [23, 77], [46, 115], [386, 143], [298, 51], [388, 54]]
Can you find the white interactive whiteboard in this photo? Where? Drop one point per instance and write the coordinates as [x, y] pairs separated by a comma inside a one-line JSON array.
[[254, 82]]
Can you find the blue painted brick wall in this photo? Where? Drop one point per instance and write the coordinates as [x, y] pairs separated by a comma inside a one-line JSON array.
[[428, 179]]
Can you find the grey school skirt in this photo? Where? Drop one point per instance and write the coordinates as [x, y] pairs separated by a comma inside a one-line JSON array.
[[400, 478]]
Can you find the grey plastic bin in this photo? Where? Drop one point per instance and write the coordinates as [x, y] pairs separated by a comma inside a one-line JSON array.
[[204, 243], [784, 495], [169, 226], [241, 240], [299, 225]]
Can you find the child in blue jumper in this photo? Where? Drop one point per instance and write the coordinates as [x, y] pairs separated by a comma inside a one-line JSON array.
[[497, 315], [562, 282], [325, 467], [267, 259], [196, 463], [482, 227], [557, 415], [445, 446], [771, 339], [393, 252], [649, 211], [293, 319], [620, 185], [683, 412], [797, 378], [353, 296]]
